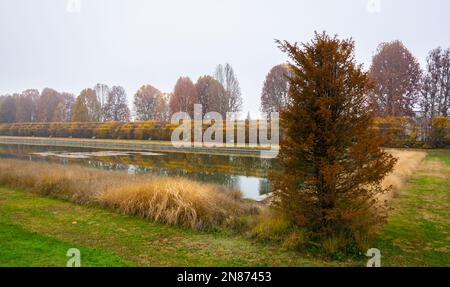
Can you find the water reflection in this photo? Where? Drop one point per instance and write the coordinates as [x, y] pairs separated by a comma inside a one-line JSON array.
[[246, 173]]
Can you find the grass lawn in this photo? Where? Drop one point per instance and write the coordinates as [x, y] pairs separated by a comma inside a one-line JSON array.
[[37, 231], [418, 231]]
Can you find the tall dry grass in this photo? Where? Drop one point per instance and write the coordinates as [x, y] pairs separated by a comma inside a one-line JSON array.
[[170, 200], [174, 201], [408, 162]]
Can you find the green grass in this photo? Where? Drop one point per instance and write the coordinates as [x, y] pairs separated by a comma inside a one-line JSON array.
[[418, 231], [38, 231], [21, 247], [441, 155], [48, 227]]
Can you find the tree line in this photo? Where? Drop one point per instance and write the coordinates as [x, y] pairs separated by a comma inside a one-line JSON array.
[[402, 88], [219, 92], [411, 104]]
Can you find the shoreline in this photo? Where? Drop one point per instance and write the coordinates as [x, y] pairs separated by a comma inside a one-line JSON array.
[[160, 146]]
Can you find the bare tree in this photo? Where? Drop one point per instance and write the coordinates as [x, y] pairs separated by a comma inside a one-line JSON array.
[[274, 96], [146, 103], [226, 76], [116, 107], [63, 112], [435, 99], [397, 78], [184, 97], [101, 91]]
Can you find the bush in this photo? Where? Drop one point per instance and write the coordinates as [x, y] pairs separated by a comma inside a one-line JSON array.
[[440, 132]]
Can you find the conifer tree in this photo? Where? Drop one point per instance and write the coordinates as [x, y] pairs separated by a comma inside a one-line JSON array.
[[331, 163]]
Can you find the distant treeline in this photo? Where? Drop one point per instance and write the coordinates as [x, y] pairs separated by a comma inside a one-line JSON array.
[[147, 130], [414, 132], [412, 105], [397, 132], [218, 93], [101, 130]]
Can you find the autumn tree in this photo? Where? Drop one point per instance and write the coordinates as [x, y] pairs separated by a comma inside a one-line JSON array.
[[274, 96], [162, 107], [146, 103], [184, 97], [225, 75], [7, 109], [397, 77], [211, 95], [63, 112], [46, 105], [331, 163], [86, 107], [23, 109], [27, 106], [116, 107]]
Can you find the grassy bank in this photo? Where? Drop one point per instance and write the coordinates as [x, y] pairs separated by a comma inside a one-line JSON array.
[[173, 201], [48, 227], [37, 231]]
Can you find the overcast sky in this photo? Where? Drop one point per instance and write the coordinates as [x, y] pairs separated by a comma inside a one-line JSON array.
[[136, 42]]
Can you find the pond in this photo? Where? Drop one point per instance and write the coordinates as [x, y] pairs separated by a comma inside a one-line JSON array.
[[248, 174]]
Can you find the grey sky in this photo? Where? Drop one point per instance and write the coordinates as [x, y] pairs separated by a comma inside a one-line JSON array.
[[136, 42]]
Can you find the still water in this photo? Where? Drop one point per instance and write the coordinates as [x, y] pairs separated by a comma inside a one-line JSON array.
[[245, 173]]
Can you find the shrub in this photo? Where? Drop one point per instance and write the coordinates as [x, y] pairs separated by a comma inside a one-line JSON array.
[[440, 132]]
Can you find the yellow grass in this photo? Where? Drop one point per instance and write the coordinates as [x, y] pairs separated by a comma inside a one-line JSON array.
[[174, 201], [170, 200], [408, 162]]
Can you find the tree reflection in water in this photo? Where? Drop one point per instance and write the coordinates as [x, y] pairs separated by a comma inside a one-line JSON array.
[[246, 173]]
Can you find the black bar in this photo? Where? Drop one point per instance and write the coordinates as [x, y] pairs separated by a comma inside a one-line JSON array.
[[234, 276]]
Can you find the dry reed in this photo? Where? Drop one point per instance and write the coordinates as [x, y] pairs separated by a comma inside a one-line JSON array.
[[173, 201]]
